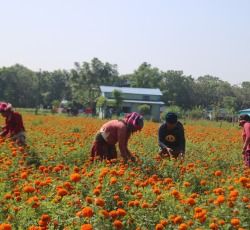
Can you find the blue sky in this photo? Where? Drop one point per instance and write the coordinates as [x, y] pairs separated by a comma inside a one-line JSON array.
[[197, 36]]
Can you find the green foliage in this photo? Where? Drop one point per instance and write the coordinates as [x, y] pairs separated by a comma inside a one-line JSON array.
[[55, 103], [176, 109], [75, 129], [145, 109], [118, 96], [197, 113], [102, 103], [230, 103], [80, 85], [37, 122], [146, 77]]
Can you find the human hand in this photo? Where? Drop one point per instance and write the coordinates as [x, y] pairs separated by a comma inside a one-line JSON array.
[[169, 150], [10, 135], [243, 151]]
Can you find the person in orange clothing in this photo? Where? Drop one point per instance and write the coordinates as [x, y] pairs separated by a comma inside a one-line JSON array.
[[244, 121], [14, 128], [116, 131]]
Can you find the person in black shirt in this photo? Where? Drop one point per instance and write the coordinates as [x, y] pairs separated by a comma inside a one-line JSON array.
[[171, 137]]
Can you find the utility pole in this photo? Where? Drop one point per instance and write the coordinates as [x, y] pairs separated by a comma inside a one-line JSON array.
[[38, 90]]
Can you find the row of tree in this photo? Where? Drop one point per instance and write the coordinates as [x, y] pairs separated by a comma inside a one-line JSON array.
[[80, 86]]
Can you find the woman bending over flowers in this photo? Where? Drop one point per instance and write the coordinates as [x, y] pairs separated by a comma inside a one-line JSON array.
[[116, 131]]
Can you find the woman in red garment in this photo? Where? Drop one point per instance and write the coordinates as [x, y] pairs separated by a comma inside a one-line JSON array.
[[14, 128], [116, 131], [244, 121]]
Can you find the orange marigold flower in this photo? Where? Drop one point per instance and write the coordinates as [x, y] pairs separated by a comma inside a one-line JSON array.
[[221, 199], [221, 222], [75, 177], [104, 212], [76, 170], [191, 202], [213, 226], [234, 193], [87, 212], [119, 203], [99, 187], [55, 223], [46, 218], [62, 192], [159, 227], [164, 222], [197, 210], [24, 175], [136, 203], [116, 197], [118, 224], [113, 214], [67, 185], [244, 199], [145, 205], [8, 196], [203, 182], [97, 192], [231, 204], [100, 202], [86, 227], [131, 203], [175, 193], [29, 189], [177, 219], [5, 226], [235, 222], [218, 173], [183, 227], [113, 180], [89, 199], [121, 212], [168, 180]]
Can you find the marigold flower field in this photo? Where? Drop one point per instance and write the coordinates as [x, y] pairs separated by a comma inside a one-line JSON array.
[[54, 184]]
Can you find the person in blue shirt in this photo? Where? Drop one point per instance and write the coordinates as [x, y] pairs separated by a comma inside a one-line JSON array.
[[171, 137]]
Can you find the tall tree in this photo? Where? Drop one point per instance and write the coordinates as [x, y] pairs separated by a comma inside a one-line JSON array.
[[118, 96], [146, 77], [176, 88], [86, 79]]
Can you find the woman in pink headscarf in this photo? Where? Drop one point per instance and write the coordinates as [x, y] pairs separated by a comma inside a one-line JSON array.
[[116, 131], [14, 128]]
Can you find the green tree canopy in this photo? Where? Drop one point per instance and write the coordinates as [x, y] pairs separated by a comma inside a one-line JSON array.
[[118, 96]]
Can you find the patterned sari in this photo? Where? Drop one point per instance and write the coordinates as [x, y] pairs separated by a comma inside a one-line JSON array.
[[102, 148]]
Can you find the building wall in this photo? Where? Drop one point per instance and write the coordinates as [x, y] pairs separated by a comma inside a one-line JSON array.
[[154, 111], [129, 96]]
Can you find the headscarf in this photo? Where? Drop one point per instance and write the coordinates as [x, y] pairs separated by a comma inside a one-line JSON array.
[[6, 107], [135, 120], [244, 118]]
